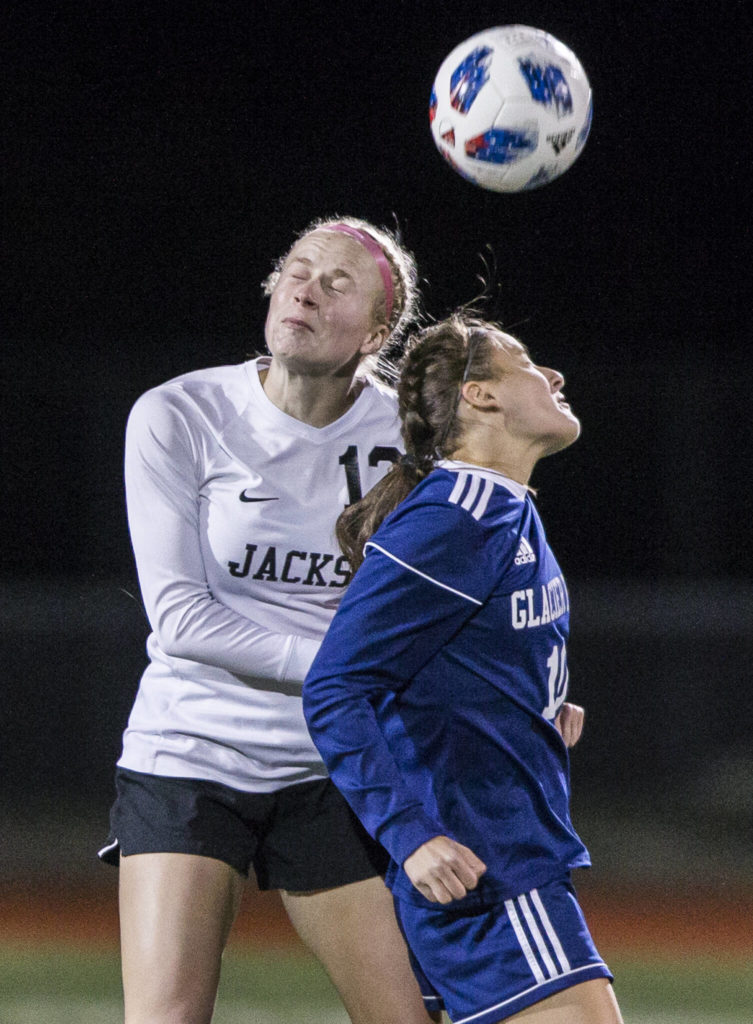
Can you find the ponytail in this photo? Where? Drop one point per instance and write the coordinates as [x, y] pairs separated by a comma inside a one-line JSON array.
[[359, 521], [437, 362]]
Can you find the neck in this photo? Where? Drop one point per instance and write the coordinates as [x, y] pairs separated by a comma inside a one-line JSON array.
[[317, 401], [493, 449], [519, 471]]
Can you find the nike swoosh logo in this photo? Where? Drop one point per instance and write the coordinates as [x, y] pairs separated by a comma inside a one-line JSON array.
[[245, 497]]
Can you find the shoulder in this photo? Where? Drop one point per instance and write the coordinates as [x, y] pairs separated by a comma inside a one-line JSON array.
[[461, 509], [376, 401], [380, 391], [198, 386], [213, 394], [451, 531], [478, 495]]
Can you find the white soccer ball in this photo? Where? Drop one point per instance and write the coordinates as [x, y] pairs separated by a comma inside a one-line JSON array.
[[510, 108]]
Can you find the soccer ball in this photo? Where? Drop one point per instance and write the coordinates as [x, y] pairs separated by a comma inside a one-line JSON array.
[[510, 108]]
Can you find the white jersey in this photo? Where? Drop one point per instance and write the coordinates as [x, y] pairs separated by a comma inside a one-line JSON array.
[[231, 509]]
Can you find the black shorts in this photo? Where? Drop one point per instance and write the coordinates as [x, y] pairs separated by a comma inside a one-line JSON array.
[[300, 838]]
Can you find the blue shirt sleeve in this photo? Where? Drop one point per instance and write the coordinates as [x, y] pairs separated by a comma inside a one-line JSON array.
[[427, 570]]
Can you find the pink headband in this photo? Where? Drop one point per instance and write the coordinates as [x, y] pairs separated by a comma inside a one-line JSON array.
[[377, 252]]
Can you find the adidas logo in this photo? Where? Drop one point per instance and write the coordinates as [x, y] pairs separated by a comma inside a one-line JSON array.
[[525, 553]]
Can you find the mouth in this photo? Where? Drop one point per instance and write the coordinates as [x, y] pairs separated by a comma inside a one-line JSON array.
[[565, 408], [294, 321]]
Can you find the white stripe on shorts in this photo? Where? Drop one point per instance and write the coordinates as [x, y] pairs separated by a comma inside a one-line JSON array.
[[553, 937], [538, 921], [538, 938], [523, 940]]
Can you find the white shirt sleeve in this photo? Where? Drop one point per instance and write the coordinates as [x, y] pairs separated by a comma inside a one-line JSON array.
[[163, 474]]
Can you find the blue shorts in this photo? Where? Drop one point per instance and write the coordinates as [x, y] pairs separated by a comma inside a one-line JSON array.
[[487, 962]]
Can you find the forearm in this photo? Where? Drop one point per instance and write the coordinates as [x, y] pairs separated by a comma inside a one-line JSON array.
[[189, 623], [343, 726]]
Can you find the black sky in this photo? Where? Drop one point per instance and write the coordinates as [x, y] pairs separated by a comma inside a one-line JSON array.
[[158, 157]]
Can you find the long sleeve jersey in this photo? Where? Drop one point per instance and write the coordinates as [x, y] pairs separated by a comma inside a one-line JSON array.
[[231, 510], [434, 694]]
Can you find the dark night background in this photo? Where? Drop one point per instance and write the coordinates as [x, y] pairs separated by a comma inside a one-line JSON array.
[[159, 157]]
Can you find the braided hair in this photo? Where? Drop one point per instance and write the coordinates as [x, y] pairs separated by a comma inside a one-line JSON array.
[[438, 360]]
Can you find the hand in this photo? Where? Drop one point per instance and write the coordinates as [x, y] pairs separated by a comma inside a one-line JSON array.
[[569, 722], [443, 870]]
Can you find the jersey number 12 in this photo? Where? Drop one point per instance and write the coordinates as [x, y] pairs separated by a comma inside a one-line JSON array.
[[349, 459]]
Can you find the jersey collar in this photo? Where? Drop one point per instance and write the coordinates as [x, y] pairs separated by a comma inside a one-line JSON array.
[[519, 490]]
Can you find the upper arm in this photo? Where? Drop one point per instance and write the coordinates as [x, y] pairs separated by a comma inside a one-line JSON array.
[[162, 496], [422, 578]]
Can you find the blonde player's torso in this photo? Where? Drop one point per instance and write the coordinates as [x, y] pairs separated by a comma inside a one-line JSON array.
[[232, 505]]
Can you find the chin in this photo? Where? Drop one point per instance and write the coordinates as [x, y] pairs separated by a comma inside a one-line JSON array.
[[576, 429], [567, 435], [572, 432]]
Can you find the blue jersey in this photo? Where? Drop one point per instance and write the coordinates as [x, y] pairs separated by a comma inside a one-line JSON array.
[[433, 697]]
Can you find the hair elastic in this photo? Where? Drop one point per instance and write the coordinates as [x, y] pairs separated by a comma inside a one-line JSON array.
[[377, 252]]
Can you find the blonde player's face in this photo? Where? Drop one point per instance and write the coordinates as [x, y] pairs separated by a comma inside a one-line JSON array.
[[321, 313], [531, 398]]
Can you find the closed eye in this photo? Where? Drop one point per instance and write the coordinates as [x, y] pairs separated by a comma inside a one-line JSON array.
[[338, 285]]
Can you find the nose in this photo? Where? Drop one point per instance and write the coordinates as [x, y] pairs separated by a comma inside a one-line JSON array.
[[555, 378], [304, 294]]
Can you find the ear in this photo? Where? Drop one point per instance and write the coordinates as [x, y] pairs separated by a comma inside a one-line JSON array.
[[479, 394], [375, 341]]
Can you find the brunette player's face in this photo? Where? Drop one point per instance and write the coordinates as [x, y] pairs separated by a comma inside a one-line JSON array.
[[321, 313], [531, 398]]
